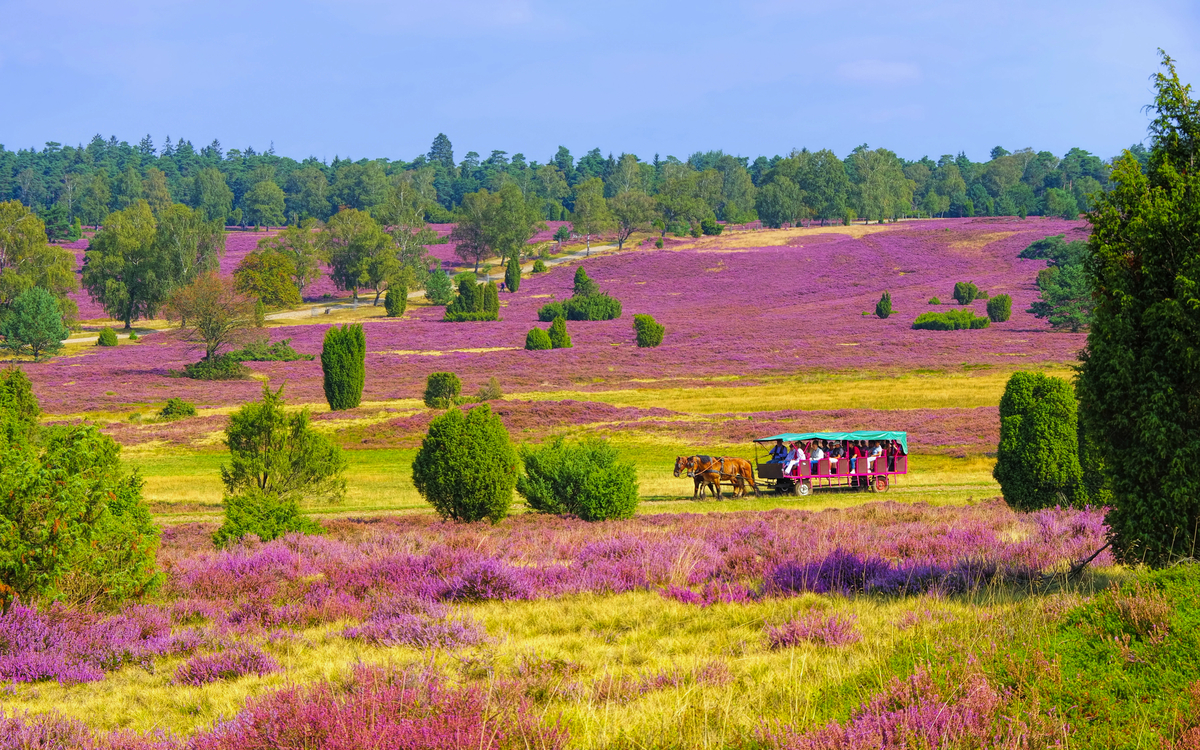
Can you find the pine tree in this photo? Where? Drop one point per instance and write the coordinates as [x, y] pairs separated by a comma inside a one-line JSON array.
[[559, 338], [396, 301], [512, 274], [343, 365], [883, 307], [34, 323]]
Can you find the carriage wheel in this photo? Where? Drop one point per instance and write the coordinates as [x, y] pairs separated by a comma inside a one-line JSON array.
[[880, 484], [803, 488]]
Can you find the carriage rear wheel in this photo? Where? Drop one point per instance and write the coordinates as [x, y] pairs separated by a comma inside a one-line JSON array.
[[880, 484], [803, 488]]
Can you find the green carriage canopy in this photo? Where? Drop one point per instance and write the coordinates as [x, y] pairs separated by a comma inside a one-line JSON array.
[[787, 437]]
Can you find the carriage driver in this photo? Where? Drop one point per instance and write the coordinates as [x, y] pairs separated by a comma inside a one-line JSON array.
[[778, 453]]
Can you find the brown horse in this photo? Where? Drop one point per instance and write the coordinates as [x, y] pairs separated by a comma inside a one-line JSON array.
[[710, 471]]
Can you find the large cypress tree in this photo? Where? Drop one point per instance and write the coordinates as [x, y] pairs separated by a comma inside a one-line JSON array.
[[1139, 384], [343, 365]]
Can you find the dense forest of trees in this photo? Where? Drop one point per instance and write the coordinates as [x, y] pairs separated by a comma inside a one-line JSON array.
[[246, 187]]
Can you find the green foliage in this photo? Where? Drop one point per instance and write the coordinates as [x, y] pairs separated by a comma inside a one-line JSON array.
[[359, 252], [107, 337], [441, 390], [1139, 371], [951, 320], [537, 339], [264, 515], [466, 467], [475, 302], [343, 358], [587, 480], [965, 292], [260, 314], [999, 308], [491, 391], [27, 261], [934, 301], [1037, 462], [16, 395], [270, 276], [563, 233], [649, 332], [177, 408], [223, 367], [594, 307], [74, 526], [1066, 292], [34, 324], [883, 308], [438, 288], [396, 301], [512, 274], [277, 461], [259, 351], [539, 266], [133, 335], [136, 260], [780, 202], [711, 227], [584, 286], [559, 338], [658, 243]]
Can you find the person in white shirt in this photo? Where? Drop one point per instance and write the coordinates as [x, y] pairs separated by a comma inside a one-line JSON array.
[[815, 457], [876, 452], [794, 457]]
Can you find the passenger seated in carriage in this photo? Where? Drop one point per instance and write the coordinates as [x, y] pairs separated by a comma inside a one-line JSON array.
[[778, 453], [875, 452], [836, 452], [815, 457], [794, 457]]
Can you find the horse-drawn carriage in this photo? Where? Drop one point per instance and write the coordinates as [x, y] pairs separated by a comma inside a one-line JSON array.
[[868, 461]]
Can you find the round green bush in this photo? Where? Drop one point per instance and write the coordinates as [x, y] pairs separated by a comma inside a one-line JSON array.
[[441, 388], [951, 320], [537, 339], [999, 308], [343, 367], [539, 266], [133, 336], [177, 408], [467, 467], [934, 301], [1037, 461], [267, 516], [586, 480], [396, 301], [658, 243], [107, 337], [559, 338], [649, 332], [223, 367]]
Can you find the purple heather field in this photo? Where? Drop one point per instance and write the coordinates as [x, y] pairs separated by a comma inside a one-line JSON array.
[[730, 309]]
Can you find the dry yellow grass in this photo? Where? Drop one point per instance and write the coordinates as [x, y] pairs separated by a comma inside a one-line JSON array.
[[980, 240], [908, 391]]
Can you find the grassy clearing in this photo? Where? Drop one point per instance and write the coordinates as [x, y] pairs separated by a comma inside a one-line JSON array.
[[933, 390], [600, 663]]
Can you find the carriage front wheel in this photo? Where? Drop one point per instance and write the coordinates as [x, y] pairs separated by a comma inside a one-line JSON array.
[[880, 484], [803, 488]]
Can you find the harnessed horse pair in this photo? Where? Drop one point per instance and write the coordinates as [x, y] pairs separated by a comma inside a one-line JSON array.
[[710, 471]]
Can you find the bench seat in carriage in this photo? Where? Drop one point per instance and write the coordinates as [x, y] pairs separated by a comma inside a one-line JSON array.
[[875, 475]]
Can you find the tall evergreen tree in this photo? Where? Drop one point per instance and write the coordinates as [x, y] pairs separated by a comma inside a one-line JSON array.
[[343, 366]]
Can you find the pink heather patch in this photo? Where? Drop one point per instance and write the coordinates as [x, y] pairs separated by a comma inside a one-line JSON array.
[[814, 627], [227, 665]]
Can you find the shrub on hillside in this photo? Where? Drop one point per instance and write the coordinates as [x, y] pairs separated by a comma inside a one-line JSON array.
[[33, 324], [592, 307], [396, 301], [438, 288], [277, 461], [107, 337], [75, 527], [559, 338], [711, 227], [658, 243], [512, 274], [177, 408], [951, 320], [475, 302], [223, 367], [934, 301], [441, 390], [883, 308], [343, 366], [260, 351], [1037, 462], [965, 292], [584, 286], [649, 332], [999, 308], [466, 467], [539, 266], [586, 480], [537, 339], [491, 391]]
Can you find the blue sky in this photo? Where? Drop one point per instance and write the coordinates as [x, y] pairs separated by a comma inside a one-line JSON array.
[[377, 78]]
